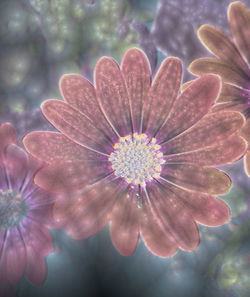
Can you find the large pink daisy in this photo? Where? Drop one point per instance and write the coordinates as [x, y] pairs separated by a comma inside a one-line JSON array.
[[25, 215], [232, 63], [138, 155]]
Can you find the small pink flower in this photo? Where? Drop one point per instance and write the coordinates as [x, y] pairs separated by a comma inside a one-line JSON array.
[[231, 62], [25, 215], [137, 155]]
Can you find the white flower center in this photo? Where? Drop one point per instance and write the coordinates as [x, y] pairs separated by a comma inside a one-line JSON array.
[[137, 159], [12, 209]]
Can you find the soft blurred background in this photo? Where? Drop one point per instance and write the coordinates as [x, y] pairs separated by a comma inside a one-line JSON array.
[[42, 39]]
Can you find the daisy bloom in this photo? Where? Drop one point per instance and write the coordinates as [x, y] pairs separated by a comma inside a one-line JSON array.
[[232, 63], [137, 155], [25, 215]]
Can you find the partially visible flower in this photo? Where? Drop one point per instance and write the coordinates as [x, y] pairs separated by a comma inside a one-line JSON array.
[[137, 155], [231, 63], [25, 215]]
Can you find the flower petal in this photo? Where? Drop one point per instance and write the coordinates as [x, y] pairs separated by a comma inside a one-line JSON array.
[[112, 93], [136, 70], [211, 129], [88, 212], [80, 94], [75, 126], [221, 46], [228, 73], [15, 256], [196, 178], [204, 208], [247, 163], [124, 229], [16, 164], [174, 215], [162, 95], [66, 176], [232, 93], [7, 136], [36, 267], [191, 106], [52, 147], [155, 234], [239, 20], [245, 131], [227, 151]]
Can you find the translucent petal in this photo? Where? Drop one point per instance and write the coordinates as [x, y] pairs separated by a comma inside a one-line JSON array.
[[227, 151], [136, 70], [196, 178], [239, 21], [124, 228], [162, 95], [112, 93], [191, 106]]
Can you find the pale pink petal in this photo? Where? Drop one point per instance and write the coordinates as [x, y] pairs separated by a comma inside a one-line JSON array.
[[113, 95], [80, 94], [16, 164], [75, 126], [175, 216], [239, 20], [221, 46], [52, 146], [247, 163], [229, 73], [89, 212], [227, 151], [67, 175], [191, 106], [124, 229], [197, 178], [236, 105], [211, 129], [36, 267], [163, 93], [204, 208], [155, 234], [15, 256], [7, 136], [136, 70], [245, 131]]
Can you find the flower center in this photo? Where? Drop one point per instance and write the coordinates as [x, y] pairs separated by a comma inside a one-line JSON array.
[[137, 159], [12, 209]]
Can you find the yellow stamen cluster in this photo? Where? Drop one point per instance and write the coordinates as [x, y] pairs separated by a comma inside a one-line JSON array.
[[137, 159]]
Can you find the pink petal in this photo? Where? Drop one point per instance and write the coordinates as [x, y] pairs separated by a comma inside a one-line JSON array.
[[204, 208], [191, 106], [15, 256], [89, 212], [7, 136], [155, 234], [236, 105], [80, 94], [67, 176], [233, 93], [136, 70], [211, 129], [174, 215], [16, 164], [36, 267], [245, 131], [229, 73], [113, 96], [239, 20], [75, 126], [163, 93], [227, 151], [247, 163], [221, 46], [124, 227], [37, 236], [52, 146], [196, 178]]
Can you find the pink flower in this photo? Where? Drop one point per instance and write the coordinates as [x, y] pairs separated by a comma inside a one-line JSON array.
[[137, 155], [231, 63], [25, 215]]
